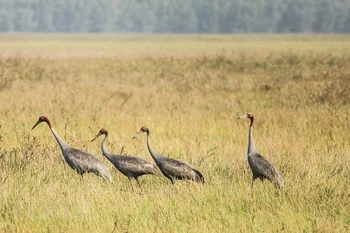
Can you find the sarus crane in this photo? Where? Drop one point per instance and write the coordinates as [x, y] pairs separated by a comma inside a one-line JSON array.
[[261, 167], [80, 161], [171, 168], [129, 166]]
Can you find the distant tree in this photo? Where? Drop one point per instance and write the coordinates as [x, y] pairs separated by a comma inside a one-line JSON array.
[[245, 18], [81, 23], [228, 18], [97, 17], [6, 23], [183, 18], [322, 20], [291, 17], [340, 15], [124, 21], [207, 15], [347, 24], [43, 16], [69, 15], [23, 18], [163, 16]]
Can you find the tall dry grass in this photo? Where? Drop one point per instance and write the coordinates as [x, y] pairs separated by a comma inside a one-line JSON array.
[[190, 102]]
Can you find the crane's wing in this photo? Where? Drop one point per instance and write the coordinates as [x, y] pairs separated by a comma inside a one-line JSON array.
[[178, 169], [137, 165], [83, 162], [262, 168]]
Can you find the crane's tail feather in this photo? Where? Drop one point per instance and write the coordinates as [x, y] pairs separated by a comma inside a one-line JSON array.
[[279, 182], [156, 171], [199, 176]]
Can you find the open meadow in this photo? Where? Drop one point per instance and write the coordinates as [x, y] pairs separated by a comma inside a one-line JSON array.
[[188, 90]]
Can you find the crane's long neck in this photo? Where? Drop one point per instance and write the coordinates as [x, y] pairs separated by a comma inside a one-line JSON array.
[[63, 145], [105, 152], [251, 145], [153, 153]]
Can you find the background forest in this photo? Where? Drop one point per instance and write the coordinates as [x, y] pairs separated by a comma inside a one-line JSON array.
[[172, 16]]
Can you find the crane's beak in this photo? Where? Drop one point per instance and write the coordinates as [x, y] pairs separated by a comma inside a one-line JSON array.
[[243, 116], [37, 123], [135, 136], [97, 135]]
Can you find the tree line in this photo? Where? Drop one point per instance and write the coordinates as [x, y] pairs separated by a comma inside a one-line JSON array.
[[175, 16]]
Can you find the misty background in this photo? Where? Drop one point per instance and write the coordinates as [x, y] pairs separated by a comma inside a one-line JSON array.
[[175, 16]]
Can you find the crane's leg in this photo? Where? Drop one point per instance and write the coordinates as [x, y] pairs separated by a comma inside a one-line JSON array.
[[132, 187], [136, 178], [253, 179]]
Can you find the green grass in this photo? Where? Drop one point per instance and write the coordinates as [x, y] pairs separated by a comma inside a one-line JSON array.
[[188, 90]]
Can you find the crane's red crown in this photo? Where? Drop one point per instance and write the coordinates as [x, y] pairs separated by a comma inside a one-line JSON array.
[[43, 118], [251, 117], [144, 129], [103, 131]]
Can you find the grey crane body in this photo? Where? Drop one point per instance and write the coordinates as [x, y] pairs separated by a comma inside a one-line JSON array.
[[171, 168], [263, 169], [80, 161], [260, 166], [176, 170], [130, 166]]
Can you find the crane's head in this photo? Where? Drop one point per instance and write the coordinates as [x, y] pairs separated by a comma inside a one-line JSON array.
[[42, 118], [249, 116], [101, 132], [142, 130]]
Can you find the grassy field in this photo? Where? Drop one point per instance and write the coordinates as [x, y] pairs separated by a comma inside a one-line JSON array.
[[188, 90]]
